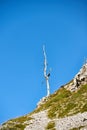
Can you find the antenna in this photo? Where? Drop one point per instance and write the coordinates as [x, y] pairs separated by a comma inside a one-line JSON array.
[[45, 72]]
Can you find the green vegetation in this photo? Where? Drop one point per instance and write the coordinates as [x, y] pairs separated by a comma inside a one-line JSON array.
[[51, 126], [14, 127], [16, 124], [21, 119], [60, 104], [77, 128], [64, 103]]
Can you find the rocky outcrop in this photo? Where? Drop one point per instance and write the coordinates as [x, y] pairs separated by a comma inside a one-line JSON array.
[[42, 101], [77, 121], [79, 79]]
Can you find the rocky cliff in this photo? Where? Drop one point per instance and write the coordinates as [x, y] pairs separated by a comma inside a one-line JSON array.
[[79, 79], [66, 109]]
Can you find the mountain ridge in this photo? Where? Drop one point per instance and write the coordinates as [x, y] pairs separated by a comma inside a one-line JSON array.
[[66, 109]]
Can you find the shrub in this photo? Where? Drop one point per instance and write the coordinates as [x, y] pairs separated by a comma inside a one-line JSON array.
[[51, 126]]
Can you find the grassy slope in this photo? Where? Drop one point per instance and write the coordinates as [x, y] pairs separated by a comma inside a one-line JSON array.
[[60, 104], [64, 103], [16, 124]]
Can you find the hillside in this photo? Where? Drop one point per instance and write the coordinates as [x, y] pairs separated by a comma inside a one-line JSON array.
[[66, 109]]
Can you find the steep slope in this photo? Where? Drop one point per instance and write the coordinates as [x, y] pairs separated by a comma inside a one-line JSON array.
[[64, 103], [79, 79], [66, 109]]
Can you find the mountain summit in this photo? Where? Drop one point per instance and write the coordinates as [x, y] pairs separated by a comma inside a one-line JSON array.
[[79, 79], [66, 109]]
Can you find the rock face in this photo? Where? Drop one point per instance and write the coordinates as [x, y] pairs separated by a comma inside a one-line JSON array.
[[38, 122], [79, 79], [77, 121]]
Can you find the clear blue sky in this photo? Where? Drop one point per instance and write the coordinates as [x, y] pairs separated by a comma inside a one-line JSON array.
[[24, 27]]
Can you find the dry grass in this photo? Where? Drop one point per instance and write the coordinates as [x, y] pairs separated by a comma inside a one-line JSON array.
[[64, 103]]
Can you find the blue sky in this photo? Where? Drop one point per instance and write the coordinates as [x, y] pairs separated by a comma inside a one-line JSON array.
[[24, 27]]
